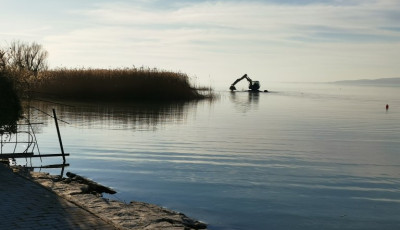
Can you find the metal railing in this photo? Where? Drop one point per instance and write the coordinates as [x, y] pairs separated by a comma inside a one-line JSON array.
[[21, 142]]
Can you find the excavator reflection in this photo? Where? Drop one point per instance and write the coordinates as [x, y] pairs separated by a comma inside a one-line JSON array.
[[254, 86]]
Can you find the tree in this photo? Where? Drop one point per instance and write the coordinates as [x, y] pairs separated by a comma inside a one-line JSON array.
[[22, 63], [26, 57]]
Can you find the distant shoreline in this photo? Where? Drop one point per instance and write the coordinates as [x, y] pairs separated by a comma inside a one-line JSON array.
[[371, 82]]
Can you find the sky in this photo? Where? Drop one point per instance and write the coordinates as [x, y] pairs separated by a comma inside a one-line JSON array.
[[215, 42]]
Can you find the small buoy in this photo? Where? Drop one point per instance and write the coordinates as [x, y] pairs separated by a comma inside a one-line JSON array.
[[387, 106]]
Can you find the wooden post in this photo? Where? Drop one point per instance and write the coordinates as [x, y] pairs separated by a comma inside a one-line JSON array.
[[59, 135]]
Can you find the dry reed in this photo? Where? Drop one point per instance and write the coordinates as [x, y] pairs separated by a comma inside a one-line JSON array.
[[116, 84]]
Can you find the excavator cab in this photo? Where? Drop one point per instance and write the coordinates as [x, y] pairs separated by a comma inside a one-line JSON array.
[[254, 85]]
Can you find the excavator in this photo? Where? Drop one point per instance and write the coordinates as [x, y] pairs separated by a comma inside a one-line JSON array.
[[254, 86]]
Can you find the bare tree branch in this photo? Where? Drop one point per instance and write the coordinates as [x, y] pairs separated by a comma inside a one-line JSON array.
[[28, 57]]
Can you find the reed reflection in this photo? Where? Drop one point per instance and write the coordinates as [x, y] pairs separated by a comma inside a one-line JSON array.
[[134, 116]]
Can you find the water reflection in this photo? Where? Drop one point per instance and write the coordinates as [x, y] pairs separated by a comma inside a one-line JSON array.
[[7, 126], [233, 169], [245, 101], [135, 116]]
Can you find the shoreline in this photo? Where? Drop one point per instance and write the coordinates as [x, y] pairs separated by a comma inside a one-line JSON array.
[[135, 215]]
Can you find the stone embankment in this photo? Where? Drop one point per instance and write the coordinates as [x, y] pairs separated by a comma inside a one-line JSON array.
[[135, 215]]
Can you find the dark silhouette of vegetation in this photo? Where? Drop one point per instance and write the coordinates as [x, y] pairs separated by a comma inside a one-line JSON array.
[[20, 66], [10, 106], [116, 84], [23, 64], [26, 65]]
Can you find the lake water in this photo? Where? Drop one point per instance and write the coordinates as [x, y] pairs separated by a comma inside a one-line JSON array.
[[305, 156]]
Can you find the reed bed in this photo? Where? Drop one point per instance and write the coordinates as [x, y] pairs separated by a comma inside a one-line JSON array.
[[116, 84]]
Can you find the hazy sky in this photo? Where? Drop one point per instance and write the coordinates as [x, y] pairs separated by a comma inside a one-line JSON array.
[[216, 41]]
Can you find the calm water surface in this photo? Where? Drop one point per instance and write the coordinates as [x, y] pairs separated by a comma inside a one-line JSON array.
[[300, 157]]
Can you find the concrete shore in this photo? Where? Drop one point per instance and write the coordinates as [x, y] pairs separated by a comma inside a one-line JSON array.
[[27, 205], [42, 201]]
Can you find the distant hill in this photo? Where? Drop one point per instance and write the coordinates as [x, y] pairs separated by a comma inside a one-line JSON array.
[[373, 82]]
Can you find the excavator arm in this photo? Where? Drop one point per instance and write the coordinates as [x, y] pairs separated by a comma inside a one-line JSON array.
[[239, 79]]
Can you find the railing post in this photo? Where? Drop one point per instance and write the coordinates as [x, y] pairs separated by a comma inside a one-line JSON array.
[[59, 135]]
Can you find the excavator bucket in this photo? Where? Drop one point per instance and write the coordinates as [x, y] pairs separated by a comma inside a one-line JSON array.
[[232, 87]]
